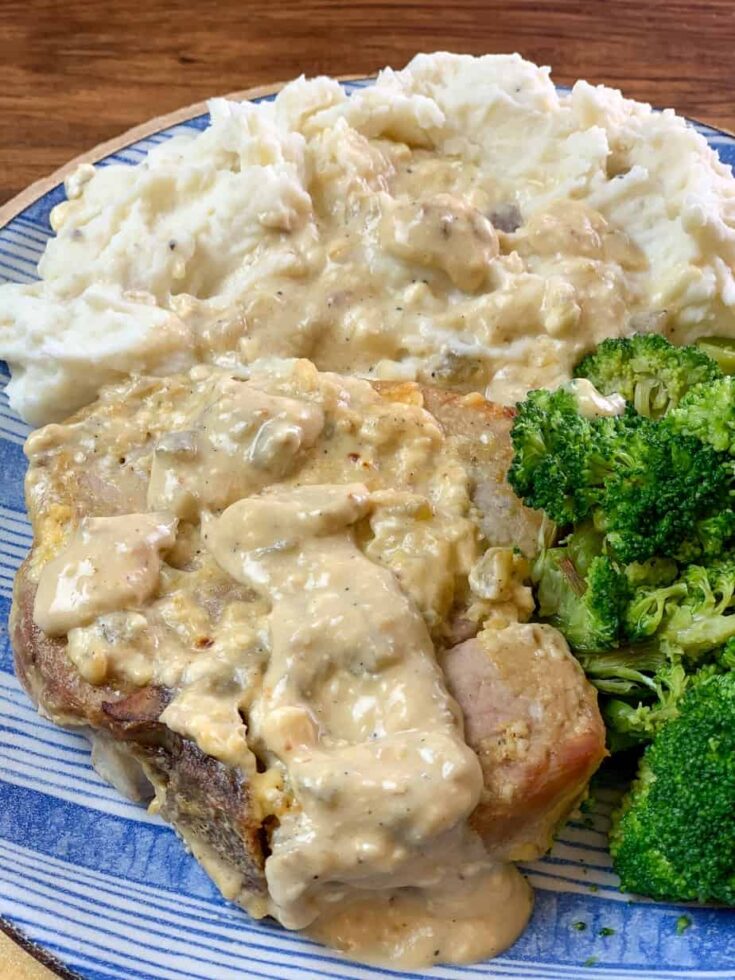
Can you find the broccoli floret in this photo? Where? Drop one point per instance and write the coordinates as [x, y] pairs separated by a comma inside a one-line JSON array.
[[633, 723], [689, 615], [724, 658], [721, 350], [649, 372], [673, 837], [700, 621], [552, 443], [649, 491], [676, 631], [712, 536], [708, 412], [661, 499], [588, 609], [713, 586], [647, 608]]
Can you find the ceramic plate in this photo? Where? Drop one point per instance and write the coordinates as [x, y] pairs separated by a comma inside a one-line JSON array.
[[109, 891]]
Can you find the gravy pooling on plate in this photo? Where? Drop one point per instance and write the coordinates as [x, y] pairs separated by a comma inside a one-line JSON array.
[[459, 222]]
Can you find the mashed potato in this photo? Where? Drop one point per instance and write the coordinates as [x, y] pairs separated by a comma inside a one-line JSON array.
[[458, 222]]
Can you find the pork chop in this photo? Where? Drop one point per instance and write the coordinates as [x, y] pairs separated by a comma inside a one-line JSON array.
[[408, 445]]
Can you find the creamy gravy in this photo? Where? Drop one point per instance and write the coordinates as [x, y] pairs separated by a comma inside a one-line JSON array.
[[243, 440], [463, 919], [592, 403], [392, 283], [111, 563], [444, 233], [354, 707], [316, 538]]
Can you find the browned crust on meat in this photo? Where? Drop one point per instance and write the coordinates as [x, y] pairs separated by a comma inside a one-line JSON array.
[[204, 799], [44, 669], [208, 801]]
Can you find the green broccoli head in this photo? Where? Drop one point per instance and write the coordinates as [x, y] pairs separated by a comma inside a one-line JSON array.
[[724, 658], [712, 536], [707, 411], [711, 587], [673, 837], [689, 615], [668, 495], [587, 609], [649, 372], [551, 443], [649, 490], [680, 632]]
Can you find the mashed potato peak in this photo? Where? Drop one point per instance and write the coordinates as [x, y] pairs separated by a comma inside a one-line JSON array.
[[459, 222]]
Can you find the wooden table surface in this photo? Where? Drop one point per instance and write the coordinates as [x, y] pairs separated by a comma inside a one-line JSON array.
[[77, 72]]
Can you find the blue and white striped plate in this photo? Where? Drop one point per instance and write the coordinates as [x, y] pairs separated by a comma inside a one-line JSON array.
[[109, 891]]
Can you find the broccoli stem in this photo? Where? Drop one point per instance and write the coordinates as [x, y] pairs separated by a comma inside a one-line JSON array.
[[721, 350]]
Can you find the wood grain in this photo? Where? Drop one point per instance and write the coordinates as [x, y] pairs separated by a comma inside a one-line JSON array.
[[78, 72]]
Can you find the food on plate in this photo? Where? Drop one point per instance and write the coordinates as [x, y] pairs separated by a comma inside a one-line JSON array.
[[343, 621], [641, 582], [245, 584], [459, 222]]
